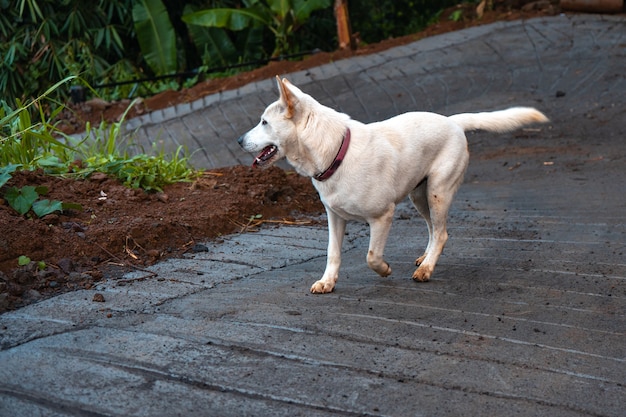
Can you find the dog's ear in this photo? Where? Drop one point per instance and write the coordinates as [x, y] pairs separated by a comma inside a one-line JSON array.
[[288, 99]]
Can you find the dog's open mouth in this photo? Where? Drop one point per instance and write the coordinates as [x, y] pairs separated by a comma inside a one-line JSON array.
[[264, 157]]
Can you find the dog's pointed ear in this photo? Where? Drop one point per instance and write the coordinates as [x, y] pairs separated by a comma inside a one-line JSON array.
[[288, 99]]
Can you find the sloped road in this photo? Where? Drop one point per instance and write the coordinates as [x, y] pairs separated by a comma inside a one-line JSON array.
[[525, 314]]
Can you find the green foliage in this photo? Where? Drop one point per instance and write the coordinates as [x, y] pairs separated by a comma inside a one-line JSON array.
[[21, 199], [27, 145], [24, 141], [23, 260], [26, 198], [156, 36], [219, 48], [6, 171], [142, 171], [44, 41], [456, 15], [281, 17], [43, 207]]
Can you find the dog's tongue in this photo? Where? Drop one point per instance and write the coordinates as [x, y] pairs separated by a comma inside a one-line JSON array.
[[265, 154]]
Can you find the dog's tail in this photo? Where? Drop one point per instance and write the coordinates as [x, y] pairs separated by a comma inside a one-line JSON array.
[[499, 121]]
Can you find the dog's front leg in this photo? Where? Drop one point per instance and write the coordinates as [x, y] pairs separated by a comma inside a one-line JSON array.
[[379, 231], [336, 231]]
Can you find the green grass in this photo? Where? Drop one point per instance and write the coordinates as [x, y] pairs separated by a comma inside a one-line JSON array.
[[30, 139]]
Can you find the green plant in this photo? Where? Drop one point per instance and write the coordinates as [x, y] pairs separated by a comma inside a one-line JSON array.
[[6, 171], [23, 260], [21, 199], [28, 145], [141, 171], [456, 15], [26, 198], [281, 17], [23, 140], [44, 41], [219, 48], [156, 36]]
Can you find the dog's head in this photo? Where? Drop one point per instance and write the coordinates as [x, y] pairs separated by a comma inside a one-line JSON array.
[[276, 133]]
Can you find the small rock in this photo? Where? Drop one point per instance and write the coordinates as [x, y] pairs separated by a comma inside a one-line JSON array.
[[4, 302], [26, 275], [66, 265], [97, 104], [33, 295], [98, 298], [199, 248], [76, 276]]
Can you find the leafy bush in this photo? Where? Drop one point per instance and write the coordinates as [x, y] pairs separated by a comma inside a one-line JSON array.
[[282, 18], [44, 41], [156, 36]]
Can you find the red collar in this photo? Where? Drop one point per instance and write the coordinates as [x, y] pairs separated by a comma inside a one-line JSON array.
[[345, 142]]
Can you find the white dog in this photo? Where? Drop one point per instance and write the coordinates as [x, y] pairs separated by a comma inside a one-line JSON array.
[[361, 171]]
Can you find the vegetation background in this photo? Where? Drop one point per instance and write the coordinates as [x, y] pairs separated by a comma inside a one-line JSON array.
[[109, 41]]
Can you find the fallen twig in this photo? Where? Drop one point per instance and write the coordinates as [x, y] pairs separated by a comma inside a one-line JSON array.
[[123, 263], [256, 222]]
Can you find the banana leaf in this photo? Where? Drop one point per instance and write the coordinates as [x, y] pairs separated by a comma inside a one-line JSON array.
[[232, 19], [156, 36], [304, 8]]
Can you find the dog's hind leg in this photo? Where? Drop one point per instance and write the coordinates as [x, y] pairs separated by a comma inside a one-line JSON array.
[[420, 200], [440, 191], [336, 231], [379, 231]]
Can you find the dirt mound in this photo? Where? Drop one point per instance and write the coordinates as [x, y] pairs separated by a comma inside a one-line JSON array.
[[127, 227]]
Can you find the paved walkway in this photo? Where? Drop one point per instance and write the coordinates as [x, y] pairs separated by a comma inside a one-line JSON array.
[[525, 314]]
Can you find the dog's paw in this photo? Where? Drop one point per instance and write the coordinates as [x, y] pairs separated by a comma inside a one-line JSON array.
[[422, 274], [419, 260], [322, 287], [385, 272]]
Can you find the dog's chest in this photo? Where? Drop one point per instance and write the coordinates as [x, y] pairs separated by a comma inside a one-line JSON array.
[[347, 205]]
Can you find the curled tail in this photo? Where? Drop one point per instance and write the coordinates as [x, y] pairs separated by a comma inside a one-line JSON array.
[[499, 121]]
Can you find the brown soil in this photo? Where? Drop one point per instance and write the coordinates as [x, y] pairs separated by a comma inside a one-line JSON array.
[[119, 226], [129, 228]]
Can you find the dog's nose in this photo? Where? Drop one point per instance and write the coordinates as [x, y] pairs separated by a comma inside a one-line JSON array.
[[240, 140]]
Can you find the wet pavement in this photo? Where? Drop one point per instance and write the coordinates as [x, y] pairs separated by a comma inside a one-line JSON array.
[[526, 311]]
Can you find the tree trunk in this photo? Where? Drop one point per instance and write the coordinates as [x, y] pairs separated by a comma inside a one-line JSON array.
[[344, 31]]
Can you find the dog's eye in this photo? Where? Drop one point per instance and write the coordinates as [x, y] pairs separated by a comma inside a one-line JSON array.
[[263, 122]]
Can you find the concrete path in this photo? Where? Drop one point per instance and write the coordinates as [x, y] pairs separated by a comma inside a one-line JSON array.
[[525, 314]]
